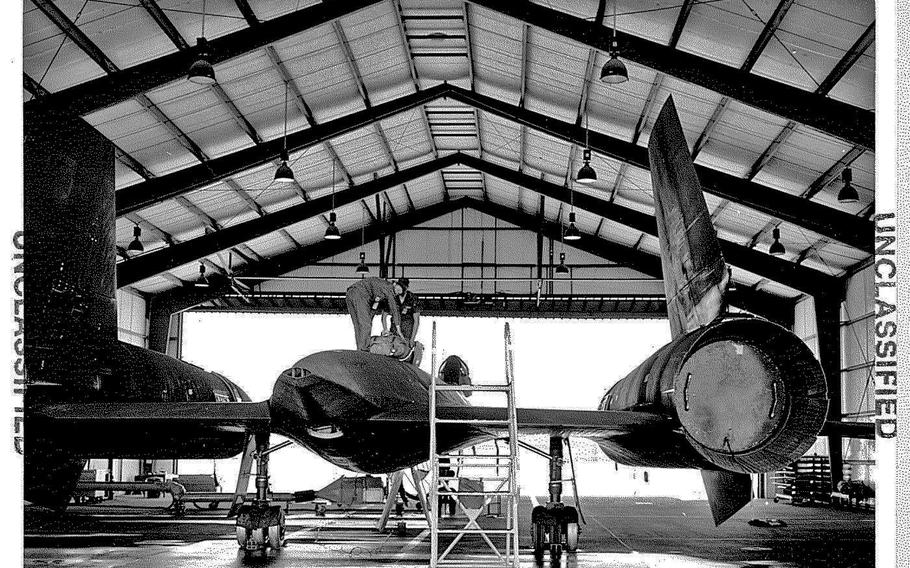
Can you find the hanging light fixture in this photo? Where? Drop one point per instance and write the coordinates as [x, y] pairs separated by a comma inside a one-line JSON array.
[[561, 268], [362, 268], [847, 194], [777, 249], [136, 244], [731, 284], [284, 173], [201, 71], [586, 173], [572, 233], [203, 281], [614, 71], [331, 232]]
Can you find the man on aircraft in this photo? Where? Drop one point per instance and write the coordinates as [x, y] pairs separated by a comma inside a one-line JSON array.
[[365, 296], [409, 307]]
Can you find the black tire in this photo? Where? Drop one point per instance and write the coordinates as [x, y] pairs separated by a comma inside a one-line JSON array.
[[538, 540], [571, 537]]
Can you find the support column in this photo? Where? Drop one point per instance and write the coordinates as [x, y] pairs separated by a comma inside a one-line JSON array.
[[827, 313]]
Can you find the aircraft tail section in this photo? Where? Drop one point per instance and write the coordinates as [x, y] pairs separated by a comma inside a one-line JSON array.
[[728, 492], [694, 271]]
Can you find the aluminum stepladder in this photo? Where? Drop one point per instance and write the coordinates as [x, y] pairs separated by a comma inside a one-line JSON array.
[[504, 487]]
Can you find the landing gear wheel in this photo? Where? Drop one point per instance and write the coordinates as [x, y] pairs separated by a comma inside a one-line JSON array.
[[259, 538], [276, 536], [571, 537], [538, 539], [242, 536]]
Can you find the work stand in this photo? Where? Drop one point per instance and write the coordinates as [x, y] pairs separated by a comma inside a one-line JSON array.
[[472, 500]]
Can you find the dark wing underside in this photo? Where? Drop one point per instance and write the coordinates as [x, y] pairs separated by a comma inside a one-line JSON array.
[[584, 423], [226, 416]]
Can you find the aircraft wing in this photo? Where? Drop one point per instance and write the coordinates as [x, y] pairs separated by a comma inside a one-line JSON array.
[[217, 416], [695, 274], [554, 422]]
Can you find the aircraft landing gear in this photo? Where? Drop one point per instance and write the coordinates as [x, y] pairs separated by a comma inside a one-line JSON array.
[[260, 524], [554, 526]]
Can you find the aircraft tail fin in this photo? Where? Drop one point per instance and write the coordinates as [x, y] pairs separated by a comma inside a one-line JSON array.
[[694, 271], [728, 492]]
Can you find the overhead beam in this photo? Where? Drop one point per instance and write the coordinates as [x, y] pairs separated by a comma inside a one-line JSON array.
[[833, 78], [848, 60], [178, 299], [247, 12], [149, 264], [824, 220], [121, 85], [681, 20], [800, 278], [148, 193], [758, 47], [827, 221], [761, 303], [833, 172], [833, 117]]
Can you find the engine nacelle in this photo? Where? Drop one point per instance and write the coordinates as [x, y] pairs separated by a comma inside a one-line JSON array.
[[748, 395]]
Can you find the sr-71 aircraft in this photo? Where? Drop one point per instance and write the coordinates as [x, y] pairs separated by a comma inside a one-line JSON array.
[[730, 395]]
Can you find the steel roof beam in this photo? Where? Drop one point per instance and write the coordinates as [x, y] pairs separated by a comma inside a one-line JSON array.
[[762, 303], [824, 220], [179, 299], [149, 264], [148, 193], [833, 117], [836, 74], [834, 171], [681, 20], [247, 12], [797, 277], [800, 278], [304, 108], [758, 47], [124, 84]]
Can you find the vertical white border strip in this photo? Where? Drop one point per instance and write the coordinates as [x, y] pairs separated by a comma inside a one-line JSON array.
[[886, 143], [11, 137]]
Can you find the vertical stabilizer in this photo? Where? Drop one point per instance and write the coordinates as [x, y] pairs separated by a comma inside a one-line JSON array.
[[728, 492], [695, 275]]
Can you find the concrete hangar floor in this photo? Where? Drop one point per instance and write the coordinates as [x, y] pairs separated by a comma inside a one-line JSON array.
[[620, 532]]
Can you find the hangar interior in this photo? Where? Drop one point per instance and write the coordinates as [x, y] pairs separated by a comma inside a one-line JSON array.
[[443, 139]]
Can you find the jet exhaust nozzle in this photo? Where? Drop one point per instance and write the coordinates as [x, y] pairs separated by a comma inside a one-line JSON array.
[[750, 395]]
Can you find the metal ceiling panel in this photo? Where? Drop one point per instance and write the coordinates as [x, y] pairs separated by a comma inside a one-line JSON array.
[[127, 35], [124, 176], [497, 47], [725, 31], [546, 154], [375, 41], [853, 88], [271, 9], [200, 114], [319, 66], [48, 57], [812, 39], [615, 109], [556, 71], [694, 104], [221, 18]]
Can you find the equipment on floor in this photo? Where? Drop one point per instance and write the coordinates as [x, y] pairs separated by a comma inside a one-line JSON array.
[[807, 481]]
